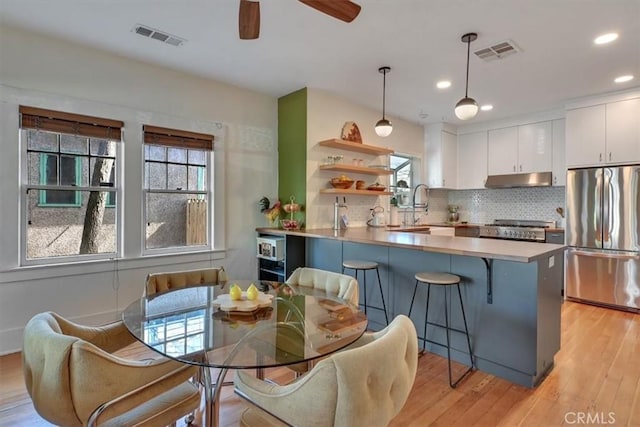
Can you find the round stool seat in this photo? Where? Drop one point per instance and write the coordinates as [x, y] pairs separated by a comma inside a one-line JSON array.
[[438, 278], [360, 265]]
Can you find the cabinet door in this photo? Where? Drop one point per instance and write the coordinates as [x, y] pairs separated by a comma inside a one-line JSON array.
[[503, 151], [449, 160], [534, 147], [585, 136], [441, 161], [472, 160], [623, 131], [559, 169]]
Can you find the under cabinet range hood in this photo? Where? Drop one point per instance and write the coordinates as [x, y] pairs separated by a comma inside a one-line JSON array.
[[535, 179]]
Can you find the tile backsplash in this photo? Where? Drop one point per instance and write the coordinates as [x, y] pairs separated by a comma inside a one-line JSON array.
[[483, 206], [476, 206]]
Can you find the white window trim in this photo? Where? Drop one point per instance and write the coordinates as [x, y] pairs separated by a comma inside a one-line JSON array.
[[210, 192], [23, 211]]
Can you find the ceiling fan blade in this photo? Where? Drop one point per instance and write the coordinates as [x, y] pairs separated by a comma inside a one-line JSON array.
[[344, 10], [249, 20]]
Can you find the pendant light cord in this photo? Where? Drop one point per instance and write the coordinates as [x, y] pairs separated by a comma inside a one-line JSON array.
[[466, 89], [384, 90]]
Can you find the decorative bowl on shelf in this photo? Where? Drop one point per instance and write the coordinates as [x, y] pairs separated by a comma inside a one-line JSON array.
[[290, 224], [376, 187], [341, 183]]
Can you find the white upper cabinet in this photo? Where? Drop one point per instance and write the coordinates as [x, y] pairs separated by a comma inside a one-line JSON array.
[[534, 147], [585, 135], [472, 160], [623, 131], [604, 134], [520, 149], [559, 168], [442, 157], [503, 151]]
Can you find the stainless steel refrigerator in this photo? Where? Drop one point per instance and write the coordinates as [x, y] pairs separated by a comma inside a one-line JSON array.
[[603, 236]]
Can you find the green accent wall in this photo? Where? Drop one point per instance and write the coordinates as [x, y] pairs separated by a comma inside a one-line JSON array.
[[292, 149]]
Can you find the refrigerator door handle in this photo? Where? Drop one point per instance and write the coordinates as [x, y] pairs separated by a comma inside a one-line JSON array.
[[598, 202], [607, 218], [606, 254]]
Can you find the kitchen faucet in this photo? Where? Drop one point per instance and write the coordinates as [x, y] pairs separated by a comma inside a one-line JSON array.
[[415, 205], [339, 221]]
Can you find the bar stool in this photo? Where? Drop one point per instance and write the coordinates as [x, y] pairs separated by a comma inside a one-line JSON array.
[[364, 266], [445, 280]]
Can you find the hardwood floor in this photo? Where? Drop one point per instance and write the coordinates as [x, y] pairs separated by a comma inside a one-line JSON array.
[[596, 380]]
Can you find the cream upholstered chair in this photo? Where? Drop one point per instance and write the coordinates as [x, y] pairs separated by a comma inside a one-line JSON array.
[[160, 282], [74, 379], [341, 285], [366, 384]]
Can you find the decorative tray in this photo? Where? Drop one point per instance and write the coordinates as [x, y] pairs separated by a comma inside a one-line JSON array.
[[338, 325], [331, 305], [225, 303], [244, 317]]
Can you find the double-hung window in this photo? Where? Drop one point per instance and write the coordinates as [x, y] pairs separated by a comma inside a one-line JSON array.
[[402, 178], [176, 186], [69, 177]]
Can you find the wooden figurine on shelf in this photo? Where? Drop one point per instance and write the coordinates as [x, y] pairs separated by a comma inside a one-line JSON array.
[[350, 132]]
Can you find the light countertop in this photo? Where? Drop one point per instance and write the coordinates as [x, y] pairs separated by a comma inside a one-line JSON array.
[[507, 250]]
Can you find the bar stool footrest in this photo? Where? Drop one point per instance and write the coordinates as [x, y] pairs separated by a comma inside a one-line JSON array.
[[450, 328]]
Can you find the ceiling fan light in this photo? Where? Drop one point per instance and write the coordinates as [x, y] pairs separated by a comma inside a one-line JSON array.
[[383, 128], [466, 108]]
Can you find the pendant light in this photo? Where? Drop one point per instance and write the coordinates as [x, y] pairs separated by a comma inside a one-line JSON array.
[[383, 127], [467, 108]]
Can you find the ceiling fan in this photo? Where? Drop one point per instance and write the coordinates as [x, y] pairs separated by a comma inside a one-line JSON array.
[[249, 17]]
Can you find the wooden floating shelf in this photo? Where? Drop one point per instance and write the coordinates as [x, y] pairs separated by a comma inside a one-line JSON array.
[[355, 146], [356, 192], [356, 169]]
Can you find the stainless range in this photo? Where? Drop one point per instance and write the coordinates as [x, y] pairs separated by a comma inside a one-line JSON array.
[[513, 229]]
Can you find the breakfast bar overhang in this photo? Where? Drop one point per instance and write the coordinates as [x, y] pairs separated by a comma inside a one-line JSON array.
[[512, 290]]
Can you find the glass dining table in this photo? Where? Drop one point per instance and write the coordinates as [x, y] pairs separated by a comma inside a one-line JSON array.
[[284, 325]]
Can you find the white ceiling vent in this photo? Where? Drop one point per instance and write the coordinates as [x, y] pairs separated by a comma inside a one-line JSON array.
[[162, 36], [497, 51]]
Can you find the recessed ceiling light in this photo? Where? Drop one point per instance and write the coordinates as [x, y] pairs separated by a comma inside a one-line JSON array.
[[487, 107], [443, 84], [623, 79], [606, 38]]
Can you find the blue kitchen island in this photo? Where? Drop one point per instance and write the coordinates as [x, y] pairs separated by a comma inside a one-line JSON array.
[[511, 291]]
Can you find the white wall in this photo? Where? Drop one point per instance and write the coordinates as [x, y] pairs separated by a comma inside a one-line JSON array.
[[326, 114], [42, 72]]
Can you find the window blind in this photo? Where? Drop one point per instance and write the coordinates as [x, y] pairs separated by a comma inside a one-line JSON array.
[[177, 138], [70, 123]]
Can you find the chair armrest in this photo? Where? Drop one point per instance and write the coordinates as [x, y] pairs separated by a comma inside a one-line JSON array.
[[121, 376], [140, 395]]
